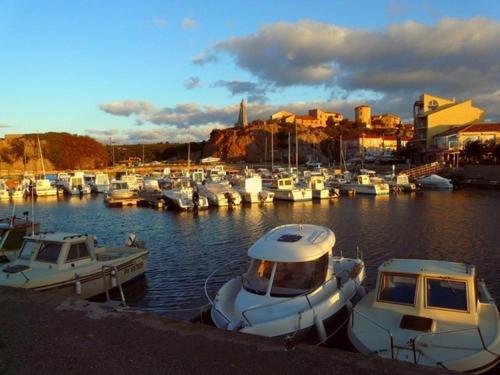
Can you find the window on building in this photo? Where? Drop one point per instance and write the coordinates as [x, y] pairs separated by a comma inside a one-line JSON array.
[[446, 294], [398, 288]]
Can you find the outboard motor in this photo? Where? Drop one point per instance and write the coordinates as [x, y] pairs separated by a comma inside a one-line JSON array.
[[80, 189], [196, 200], [229, 197]]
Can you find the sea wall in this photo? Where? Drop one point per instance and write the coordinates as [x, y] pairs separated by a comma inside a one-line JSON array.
[[42, 333]]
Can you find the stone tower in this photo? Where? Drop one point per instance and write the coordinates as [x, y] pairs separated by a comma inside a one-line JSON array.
[[242, 116]]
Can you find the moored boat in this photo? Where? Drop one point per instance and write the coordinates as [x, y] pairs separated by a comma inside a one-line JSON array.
[[12, 232], [365, 185], [285, 189], [293, 286], [435, 181], [220, 194], [428, 312], [70, 264]]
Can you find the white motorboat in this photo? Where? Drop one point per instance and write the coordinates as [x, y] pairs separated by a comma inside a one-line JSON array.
[[4, 192], [12, 232], [365, 185], [135, 182], [401, 182], [100, 184], [428, 312], [317, 184], [119, 190], [216, 174], [294, 285], [70, 264], [18, 193], [250, 189], [182, 196], [44, 188], [285, 189], [220, 194], [76, 185], [435, 182]]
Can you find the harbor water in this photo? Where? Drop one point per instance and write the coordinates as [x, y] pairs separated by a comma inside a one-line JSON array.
[[186, 247]]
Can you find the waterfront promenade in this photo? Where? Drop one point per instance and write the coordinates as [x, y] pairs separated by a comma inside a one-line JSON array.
[[41, 333]]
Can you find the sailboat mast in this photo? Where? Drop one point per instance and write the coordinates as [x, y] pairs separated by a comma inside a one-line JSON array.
[[41, 155], [296, 150], [289, 155], [272, 149]]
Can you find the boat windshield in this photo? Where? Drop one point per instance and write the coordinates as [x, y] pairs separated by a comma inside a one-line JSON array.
[[27, 250], [446, 294], [257, 278], [398, 288], [48, 252], [295, 278]]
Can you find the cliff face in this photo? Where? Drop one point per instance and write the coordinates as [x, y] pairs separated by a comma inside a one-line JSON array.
[[60, 151], [251, 143]]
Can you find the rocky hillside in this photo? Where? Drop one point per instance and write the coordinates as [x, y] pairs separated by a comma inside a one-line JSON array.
[[60, 151]]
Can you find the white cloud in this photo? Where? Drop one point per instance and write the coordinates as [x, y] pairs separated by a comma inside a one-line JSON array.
[[189, 23], [192, 83], [159, 22], [453, 57]]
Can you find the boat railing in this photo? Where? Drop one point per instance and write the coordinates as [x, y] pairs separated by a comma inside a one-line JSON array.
[[227, 266], [476, 329], [376, 324], [294, 298]]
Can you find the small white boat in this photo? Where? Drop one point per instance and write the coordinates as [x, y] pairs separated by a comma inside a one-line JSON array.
[[182, 196], [317, 184], [220, 194], [365, 185], [428, 312], [285, 189], [76, 185], [119, 190], [435, 182], [100, 184], [70, 264], [250, 189], [402, 183], [294, 285], [44, 188], [135, 182], [12, 232]]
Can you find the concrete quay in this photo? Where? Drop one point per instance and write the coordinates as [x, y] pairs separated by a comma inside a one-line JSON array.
[[47, 334]]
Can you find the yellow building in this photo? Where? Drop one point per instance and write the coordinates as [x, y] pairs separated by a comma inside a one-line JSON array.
[[363, 115], [325, 117], [373, 144], [282, 115], [457, 137], [433, 115], [385, 121]]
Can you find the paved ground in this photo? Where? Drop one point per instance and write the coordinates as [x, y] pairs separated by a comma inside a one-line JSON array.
[[42, 333]]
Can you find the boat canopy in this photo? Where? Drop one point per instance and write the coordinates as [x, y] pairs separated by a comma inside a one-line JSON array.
[[293, 243], [428, 267]]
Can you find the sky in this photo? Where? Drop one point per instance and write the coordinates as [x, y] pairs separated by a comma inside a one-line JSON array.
[[156, 71]]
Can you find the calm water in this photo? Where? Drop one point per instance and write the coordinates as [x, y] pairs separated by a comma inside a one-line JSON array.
[[185, 247]]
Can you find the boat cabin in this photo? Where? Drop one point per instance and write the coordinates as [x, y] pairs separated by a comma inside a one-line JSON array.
[[364, 179], [317, 182], [425, 291], [54, 250], [101, 179], [12, 233], [283, 184], [290, 260], [117, 185]]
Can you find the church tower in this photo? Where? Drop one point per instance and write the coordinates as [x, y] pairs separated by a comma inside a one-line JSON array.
[[242, 116]]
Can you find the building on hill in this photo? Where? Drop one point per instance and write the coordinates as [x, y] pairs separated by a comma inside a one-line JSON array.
[[363, 115], [315, 118], [433, 115], [385, 121], [373, 144], [242, 115], [326, 117]]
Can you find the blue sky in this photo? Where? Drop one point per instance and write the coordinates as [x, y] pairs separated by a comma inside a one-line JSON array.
[[82, 66]]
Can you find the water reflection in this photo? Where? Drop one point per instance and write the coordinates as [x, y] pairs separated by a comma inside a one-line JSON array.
[[185, 247]]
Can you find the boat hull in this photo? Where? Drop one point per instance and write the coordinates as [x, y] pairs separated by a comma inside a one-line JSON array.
[[296, 195]]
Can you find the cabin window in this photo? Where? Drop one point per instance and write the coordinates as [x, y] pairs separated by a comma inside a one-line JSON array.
[[295, 278], [77, 251], [27, 250], [446, 294], [14, 239], [396, 288], [256, 280], [48, 252]]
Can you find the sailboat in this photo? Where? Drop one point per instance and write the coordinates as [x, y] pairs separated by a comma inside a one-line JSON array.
[[43, 186]]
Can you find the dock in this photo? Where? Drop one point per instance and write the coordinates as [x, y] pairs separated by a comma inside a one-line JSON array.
[[46, 333], [117, 202]]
